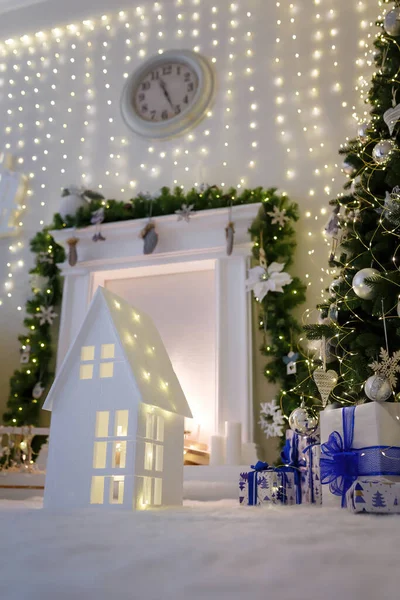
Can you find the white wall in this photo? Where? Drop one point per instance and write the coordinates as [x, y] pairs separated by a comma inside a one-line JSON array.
[[265, 121]]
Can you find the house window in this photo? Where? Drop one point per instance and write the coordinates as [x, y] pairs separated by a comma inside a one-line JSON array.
[[160, 429], [149, 425], [100, 455], [117, 485], [119, 455], [159, 457], [121, 423], [87, 353], [107, 351], [147, 490], [148, 456], [97, 490], [157, 491], [102, 419], [106, 370], [86, 372]]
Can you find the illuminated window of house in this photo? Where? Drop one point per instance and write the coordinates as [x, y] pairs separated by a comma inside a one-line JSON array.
[[119, 455], [157, 501], [117, 484], [148, 456], [147, 490], [159, 457], [121, 423], [106, 370], [86, 368], [86, 372], [107, 351], [100, 455], [87, 353], [97, 490], [149, 425], [160, 429], [102, 419]]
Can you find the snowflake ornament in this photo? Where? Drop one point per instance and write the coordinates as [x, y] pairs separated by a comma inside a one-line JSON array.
[[278, 217], [271, 279], [388, 366], [185, 212], [46, 314], [271, 419]]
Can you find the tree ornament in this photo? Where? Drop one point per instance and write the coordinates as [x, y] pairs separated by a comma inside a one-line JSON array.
[[334, 285], [348, 168], [185, 212], [333, 225], [150, 238], [72, 251], [73, 197], [325, 382], [290, 362], [46, 314], [25, 354], [271, 279], [391, 23], [378, 388], [362, 289], [356, 182], [362, 132], [45, 258], [38, 390], [38, 282], [391, 117], [97, 219], [383, 151], [278, 217], [333, 312], [271, 420], [230, 237], [388, 366], [303, 420]]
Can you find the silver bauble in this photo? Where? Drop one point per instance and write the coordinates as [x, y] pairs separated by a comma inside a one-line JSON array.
[[382, 151], [303, 421], [378, 388], [333, 312], [391, 23], [362, 132], [361, 289], [348, 168]]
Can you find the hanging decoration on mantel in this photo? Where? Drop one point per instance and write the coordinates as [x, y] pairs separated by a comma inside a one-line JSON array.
[[35, 374], [185, 212], [230, 232]]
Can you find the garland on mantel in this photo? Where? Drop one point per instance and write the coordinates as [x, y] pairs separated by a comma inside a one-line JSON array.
[[29, 384]]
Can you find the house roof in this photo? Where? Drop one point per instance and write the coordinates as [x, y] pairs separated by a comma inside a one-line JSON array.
[[144, 350]]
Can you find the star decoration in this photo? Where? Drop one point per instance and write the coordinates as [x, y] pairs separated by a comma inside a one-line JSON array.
[[185, 212], [388, 366], [271, 419], [278, 217], [46, 314], [271, 279]]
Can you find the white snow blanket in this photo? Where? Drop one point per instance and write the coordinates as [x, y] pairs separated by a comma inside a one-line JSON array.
[[202, 551]]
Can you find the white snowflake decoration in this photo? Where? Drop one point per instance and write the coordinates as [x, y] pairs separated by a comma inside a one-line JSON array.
[[388, 366], [272, 279], [185, 212], [278, 217], [46, 314], [271, 419]]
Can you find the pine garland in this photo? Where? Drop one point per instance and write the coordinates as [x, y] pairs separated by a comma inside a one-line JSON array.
[[278, 241]]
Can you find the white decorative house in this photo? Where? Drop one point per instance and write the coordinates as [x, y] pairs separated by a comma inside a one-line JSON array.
[[118, 410]]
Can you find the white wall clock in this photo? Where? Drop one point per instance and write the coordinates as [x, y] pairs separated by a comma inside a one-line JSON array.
[[169, 94]]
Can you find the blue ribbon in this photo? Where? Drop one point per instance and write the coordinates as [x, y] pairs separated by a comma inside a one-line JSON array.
[[263, 466], [290, 457], [252, 481], [341, 464]]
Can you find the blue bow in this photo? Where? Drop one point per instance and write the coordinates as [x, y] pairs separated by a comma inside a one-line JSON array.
[[341, 464]]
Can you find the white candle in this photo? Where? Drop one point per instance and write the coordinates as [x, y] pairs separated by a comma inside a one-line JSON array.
[[217, 450], [233, 432]]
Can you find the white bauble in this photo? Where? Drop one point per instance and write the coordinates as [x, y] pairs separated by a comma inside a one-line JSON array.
[[378, 388], [303, 421], [348, 168], [382, 151], [71, 203], [360, 288], [391, 23], [334, 285], [362, 132]]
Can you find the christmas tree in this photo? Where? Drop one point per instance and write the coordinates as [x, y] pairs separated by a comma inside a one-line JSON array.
[[378, 500], [359, 328]]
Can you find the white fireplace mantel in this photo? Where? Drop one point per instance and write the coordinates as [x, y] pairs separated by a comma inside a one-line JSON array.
[[199, 245]]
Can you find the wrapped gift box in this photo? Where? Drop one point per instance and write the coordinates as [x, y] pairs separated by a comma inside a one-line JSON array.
[[374, 496], [270, 486], [369, 447], [304, 454]]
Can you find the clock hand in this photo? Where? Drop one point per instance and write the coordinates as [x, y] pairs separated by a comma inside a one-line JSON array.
[[166, 94]]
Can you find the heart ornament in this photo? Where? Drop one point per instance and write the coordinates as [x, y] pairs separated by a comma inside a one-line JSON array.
[[325, 381], [391, 116]]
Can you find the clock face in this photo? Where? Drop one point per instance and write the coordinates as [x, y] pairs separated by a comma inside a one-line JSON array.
[[165, 91]]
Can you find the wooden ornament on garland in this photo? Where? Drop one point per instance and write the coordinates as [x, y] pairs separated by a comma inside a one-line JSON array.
[[72, 251], [150, 238], [230, 237]]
